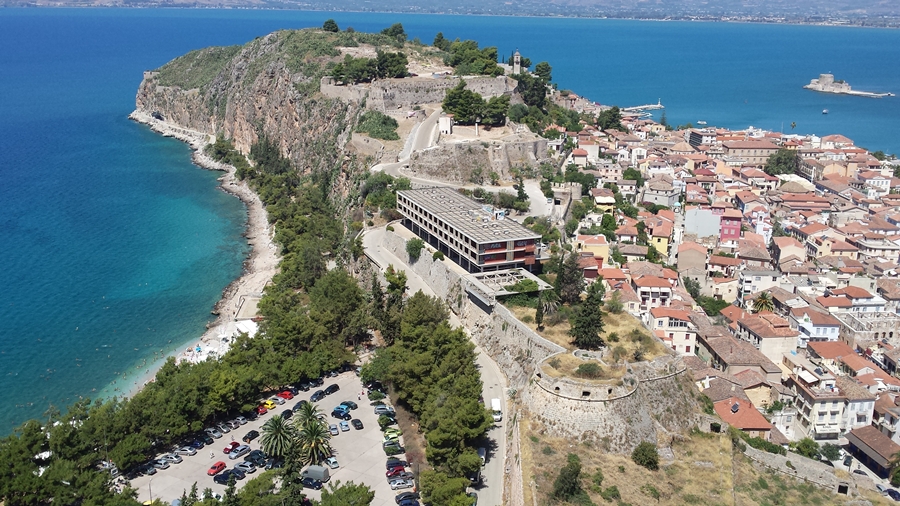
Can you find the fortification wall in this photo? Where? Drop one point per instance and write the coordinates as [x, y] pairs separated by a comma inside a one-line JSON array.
[[389, 94], [459, 160]]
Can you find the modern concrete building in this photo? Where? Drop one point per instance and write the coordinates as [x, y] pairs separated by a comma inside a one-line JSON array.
[[476, 236]]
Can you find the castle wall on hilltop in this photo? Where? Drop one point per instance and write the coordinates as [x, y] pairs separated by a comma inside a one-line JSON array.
[[388, 94]]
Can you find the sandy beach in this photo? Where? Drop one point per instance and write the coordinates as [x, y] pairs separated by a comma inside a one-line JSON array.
[[259, 267]]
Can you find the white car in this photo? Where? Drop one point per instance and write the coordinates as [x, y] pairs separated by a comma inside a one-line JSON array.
[[171, 458], [186, 450], [401, 484], [246, 467], [277, 400], [333, 429], [332, 462]]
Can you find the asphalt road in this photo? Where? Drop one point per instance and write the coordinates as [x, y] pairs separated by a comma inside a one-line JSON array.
[[359, 453], [490, 492]]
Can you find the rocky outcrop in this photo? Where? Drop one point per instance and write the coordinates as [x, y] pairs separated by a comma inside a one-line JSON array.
[[460, 161]]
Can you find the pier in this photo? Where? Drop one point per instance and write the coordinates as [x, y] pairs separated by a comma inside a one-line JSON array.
[[648, 107]]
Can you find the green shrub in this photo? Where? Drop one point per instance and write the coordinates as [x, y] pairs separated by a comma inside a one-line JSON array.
[[389, 228], [613, 337], [414, 248], [646, 455], [611, 493], [589, 370], [527, 319], [375, 395], [437, 255], [378, 126], [651, 491], [546, 450], [597, 478]]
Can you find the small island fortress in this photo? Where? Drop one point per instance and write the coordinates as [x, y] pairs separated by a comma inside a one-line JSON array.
[[826, 84]]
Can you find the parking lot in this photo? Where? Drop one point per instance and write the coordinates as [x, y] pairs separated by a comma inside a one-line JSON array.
[[358, 452]]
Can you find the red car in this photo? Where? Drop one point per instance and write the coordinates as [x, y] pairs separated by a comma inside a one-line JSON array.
[[231, 446], [394, 471], [285, 395], [261, 410], [216, 468]]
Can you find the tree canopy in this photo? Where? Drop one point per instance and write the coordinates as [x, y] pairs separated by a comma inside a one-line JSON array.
[[783, 161]]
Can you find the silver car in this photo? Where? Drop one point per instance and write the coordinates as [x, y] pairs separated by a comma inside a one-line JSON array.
[[399, 484], [161, 464], [277, 400], [213, 432], [171, 458], [246, 467], [241, 420], [224, 428], [333, 429], [239, 452], [186, 450]]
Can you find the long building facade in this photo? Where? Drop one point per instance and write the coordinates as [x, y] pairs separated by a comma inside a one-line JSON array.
[[474, 235]]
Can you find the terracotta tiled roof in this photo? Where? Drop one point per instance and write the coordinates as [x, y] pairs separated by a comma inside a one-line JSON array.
[[651, 282], [852, 390], [724, 261], [750, 378], [876, 442], [853, 292], [745, 417], [690, 245], [767, 325], [830, 350], [857, 363], [665, 312]]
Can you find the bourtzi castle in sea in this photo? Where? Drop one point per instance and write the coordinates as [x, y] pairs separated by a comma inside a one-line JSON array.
[[826, 84]]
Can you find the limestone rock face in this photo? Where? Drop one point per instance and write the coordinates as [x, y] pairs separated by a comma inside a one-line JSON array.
[[252, 92]]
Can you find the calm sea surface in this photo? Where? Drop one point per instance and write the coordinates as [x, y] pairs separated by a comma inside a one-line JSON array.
[[113, 247]]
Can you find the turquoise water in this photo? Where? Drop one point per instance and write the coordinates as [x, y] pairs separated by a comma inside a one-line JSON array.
[[114, 247]]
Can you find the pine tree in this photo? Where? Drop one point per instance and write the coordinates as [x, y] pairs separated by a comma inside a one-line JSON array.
[[587, 323], [539, 313]]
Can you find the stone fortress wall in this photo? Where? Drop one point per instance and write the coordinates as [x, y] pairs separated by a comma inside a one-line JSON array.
[[388, 94], [652, 400]]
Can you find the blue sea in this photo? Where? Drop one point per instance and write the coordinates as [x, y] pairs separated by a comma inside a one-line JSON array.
[[114, 247]]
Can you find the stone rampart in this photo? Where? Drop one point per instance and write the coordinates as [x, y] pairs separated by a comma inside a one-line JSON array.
[[457, 161], [801, 468], [387, 94]]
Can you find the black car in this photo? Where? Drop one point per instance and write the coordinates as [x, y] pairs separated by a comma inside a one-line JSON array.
[[330, 389], [357, 424], [395, 462], [250, 415], [318, 395], [250, 436], [299, 405], [205, 438], [350, 404], [317, 382], [893, 494], [343, 415], [311, 483], [256, 457], [274, 463], [375, 385], [286, 414], [406, 496], [223, 477], [304, 386]]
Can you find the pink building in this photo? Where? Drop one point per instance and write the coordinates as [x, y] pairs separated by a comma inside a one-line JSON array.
[[730, 226]]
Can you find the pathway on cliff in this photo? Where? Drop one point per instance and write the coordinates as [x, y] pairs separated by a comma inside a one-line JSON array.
[[491, 491]]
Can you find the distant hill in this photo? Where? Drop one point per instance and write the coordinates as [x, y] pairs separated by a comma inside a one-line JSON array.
[[866, 12]]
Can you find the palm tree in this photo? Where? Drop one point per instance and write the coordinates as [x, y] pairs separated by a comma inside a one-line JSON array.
[[314, 443], [793, 125], [763, 302], [307, 414], [278, 436]]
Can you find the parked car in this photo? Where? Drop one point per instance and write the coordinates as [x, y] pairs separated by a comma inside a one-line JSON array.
[[261, 409], [392, 431], [250, 415], [300, 405], [343, 415], [223, 478], [318, 395], [197, 444], [406, 496], [330, 389], [239, 452], [257, 457], [285, 394], [269, 404], [203, 436], [384, 410], [395, 462], [186, 450], [277, 400], [350, 404], [223, 427], [161, 464], [234, 424], [390, 438], [860, 472], [408, 502], [333, 429], [317, 382], [304, 385], [231, 446], [287, 414], [171, 458], [241, 420], [882, 489], [213, 432], [357, 424], [332, 462], [147, 469], [216, 468], [245, 467], [250, 436], [893, 494], [394, 472], [274, 463], [473, 495], [311, 483], [401, 484]]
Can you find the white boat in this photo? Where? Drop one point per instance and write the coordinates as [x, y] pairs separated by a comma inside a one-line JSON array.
[[824, 111], [701, 122]]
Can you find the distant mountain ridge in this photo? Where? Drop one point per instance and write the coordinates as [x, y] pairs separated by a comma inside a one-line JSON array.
[[871, 12]]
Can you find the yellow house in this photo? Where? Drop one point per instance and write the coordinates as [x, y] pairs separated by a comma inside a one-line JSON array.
[[594, 244], [660, 237]]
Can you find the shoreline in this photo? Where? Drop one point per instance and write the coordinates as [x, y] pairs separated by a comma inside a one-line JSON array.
[[258, 268]]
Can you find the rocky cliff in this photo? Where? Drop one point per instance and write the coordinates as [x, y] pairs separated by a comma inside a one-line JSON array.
[[266, 87]]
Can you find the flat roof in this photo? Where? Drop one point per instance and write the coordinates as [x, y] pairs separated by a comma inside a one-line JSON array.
[[471, 218]]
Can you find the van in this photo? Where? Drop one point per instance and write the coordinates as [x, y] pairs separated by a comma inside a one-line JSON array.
[[482, 452], [496, 410], [319, 473]]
